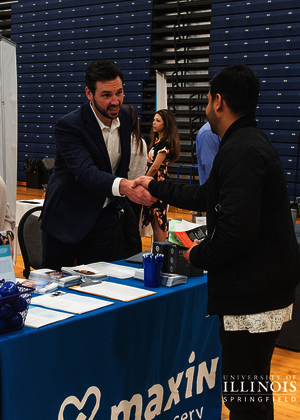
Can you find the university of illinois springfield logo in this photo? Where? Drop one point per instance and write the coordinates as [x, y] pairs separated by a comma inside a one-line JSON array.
[[93, 390]]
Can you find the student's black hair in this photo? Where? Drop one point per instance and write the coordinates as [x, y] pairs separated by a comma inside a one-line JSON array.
[[239, 87]]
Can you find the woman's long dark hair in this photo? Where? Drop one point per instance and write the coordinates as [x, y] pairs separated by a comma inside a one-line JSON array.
[[135, 129], [170, 133]]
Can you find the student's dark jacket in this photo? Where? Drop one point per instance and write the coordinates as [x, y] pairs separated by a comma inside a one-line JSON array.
[[251, 252]]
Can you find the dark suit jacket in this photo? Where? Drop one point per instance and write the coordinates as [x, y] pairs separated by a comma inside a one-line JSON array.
[[82, 177]]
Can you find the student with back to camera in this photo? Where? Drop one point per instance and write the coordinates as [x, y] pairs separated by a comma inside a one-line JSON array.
[[253, 268]]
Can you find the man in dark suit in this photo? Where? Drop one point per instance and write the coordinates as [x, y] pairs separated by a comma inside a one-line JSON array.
[[85, 194]]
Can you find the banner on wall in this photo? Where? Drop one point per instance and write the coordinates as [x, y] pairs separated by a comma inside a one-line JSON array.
[[8, 119], [161, 92]]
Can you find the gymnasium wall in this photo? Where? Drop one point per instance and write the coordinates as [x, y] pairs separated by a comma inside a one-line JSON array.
[[56, 41], [265, 35]]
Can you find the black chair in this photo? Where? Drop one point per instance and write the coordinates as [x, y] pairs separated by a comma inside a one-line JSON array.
[[128, 242], [30, 240]]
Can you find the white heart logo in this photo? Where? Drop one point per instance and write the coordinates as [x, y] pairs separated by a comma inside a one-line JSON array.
[[80, 404]]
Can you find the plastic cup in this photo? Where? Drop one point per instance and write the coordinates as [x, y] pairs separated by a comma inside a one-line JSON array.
[[152, 273]]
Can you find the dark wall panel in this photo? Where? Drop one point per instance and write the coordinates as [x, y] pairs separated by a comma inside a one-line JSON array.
[[56, 41], [264, 35]]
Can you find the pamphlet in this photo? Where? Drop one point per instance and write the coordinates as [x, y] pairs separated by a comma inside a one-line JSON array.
[[61, 279], [139, 274], [38, 317], [41, 286], [183, 233], [166, 279], [169, 279], [70, 302], [6, 263], [85, 271], [112, 270]]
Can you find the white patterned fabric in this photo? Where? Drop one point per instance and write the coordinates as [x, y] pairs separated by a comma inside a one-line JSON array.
[[258, 323]]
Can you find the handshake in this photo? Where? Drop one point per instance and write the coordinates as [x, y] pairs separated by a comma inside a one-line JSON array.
[[137, 190]]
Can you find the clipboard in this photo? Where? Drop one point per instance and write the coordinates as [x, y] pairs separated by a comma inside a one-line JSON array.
[[115, 291]]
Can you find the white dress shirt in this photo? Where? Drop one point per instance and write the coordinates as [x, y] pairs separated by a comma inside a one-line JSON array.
[[112, 141]]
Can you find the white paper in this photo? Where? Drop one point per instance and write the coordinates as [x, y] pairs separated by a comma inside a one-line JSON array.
[[69, 302], [39, 317], [113, 270], [182, 225], [114, 291], [201, 220], [139, 274]]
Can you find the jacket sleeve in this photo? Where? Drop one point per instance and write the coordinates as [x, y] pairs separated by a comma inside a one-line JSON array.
[[189, 197], [240, 175]]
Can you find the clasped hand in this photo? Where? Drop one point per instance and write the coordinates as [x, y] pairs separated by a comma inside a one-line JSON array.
[[137, 190]]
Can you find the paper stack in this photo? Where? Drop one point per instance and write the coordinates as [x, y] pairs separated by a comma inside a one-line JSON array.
[[41, 286], [139, 274], [168, 279], [85, 271], [61, 278]]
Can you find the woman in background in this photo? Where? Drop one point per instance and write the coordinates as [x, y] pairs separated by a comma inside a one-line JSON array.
[[6, 220], [138, 157], [164, 148]]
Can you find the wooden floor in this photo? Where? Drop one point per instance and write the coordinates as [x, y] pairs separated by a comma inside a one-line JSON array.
[[285, 364]]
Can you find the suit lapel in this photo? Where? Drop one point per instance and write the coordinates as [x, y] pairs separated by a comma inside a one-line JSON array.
[[94, 129]]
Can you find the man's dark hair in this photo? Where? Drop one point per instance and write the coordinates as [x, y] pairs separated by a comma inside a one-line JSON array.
[[239, 87], [101, 71]]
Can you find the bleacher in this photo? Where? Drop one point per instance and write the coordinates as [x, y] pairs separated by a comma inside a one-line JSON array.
[[56, 41], [265, 36]]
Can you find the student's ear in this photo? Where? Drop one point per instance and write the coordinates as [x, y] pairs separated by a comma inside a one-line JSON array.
[[218, 102]]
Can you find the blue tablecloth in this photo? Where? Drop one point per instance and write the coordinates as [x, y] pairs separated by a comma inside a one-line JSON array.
[[156, 357]]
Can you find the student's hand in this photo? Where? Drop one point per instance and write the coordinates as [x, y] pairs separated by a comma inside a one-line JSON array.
[[186, 253], [136, 193], [143, 181]]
